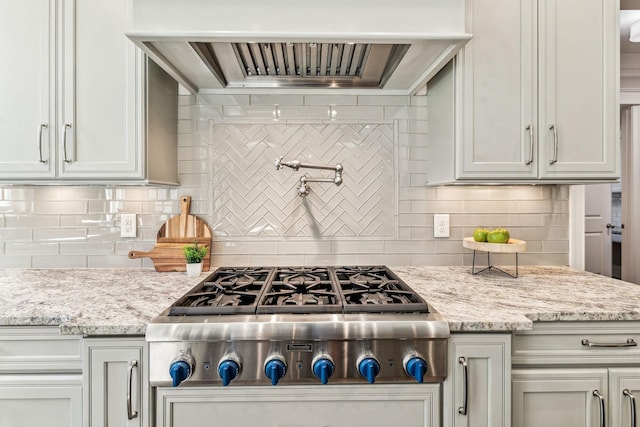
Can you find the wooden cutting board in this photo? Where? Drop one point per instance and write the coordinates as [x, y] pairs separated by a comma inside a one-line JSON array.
[[176, 233], [184, 225], [168, 256]]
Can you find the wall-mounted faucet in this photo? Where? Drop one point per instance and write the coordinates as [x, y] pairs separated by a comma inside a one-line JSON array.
[[303, 188]]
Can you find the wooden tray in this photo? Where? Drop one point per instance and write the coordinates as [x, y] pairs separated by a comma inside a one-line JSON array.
[[513, 245]]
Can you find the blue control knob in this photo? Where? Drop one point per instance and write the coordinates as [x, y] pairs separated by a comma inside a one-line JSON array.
[[323, 368], [416, 367], [180, 370], [228, 370], [275, 369], [369, 368]]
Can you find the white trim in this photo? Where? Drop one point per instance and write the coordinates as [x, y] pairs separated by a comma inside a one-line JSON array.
[[576, 226]]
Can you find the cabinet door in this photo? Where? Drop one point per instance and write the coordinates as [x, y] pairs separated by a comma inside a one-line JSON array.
[[497, 81], [41, 400], [578, 68], [479, 370], [113, 373], [102, 70], [414, 405], [558, 397], [624, 392], [27, 76]]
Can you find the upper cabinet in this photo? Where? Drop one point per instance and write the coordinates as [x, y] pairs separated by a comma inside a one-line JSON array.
[[533, 97], [75, 96]]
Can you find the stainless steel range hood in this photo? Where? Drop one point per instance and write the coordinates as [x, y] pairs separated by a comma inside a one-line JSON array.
[[355, 46]]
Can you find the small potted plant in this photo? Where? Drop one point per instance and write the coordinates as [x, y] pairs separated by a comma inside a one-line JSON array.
[[194, 255]]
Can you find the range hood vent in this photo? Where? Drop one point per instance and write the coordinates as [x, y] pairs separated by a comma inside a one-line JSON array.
[[302, 65], [247, 45]]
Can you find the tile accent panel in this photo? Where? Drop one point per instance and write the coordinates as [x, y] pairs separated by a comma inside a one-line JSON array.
[[71, 226], [253, 199]]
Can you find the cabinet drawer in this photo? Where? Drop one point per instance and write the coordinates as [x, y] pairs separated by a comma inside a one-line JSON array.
[[39, 349], [577, 343]]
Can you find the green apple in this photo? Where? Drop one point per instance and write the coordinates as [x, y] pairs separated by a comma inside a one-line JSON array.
[[498, 235], [480, 234]]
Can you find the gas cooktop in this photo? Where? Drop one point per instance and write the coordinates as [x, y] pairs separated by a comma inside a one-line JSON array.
[[299, 290]]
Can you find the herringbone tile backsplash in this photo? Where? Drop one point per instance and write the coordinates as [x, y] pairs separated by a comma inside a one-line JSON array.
[[253, 199], [228, 144]]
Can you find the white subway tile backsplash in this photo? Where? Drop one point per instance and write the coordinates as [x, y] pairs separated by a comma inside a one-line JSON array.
[[384, 100], [277, 99], [31, 248], [59, 234], [330, 100], [66, 226], [31, 221], [59, 261]]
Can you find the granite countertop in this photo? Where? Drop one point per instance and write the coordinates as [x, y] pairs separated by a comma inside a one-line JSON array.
[[492, 301], [123, 301], [88, 301]]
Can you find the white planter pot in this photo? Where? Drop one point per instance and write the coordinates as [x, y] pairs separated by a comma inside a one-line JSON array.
[[194, 270]]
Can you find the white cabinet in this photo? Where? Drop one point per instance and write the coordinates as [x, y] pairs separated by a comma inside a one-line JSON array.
[[477, 388], [578, 374], [624, 393], [533, 96], [116, 394], [27, 84], [412, 405], [558, 397], [75, 100], [40, 378]]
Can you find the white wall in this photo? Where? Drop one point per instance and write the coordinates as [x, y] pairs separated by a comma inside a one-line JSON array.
[[78, 226]]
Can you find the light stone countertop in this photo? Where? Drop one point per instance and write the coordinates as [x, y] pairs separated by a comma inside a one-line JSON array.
[[89, 301], [491, 301], [122, 301]]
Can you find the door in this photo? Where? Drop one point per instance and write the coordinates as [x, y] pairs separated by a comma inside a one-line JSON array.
[[41, 400], [99, 136], [597, 229], [479, 370], [630, 142], [411, 405], [578, 87], [27, 77], [558, 397], [498, 83], [624, 392], [113, 378]]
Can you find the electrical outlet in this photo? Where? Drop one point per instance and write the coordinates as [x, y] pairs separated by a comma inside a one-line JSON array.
[[127, 225], [441, 225]]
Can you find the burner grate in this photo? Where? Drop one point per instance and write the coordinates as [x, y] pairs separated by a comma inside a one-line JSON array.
[[302, 290]]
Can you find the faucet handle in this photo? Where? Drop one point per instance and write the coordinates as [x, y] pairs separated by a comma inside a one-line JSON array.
[[279, 163]]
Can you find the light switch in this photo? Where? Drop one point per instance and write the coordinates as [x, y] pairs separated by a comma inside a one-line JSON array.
[[128, 225], [441, 225]]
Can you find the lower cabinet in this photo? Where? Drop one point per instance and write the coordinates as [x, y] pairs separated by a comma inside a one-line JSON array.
[[477, 388], [40, 378], [576, 374], [36, 400], [114, 382], [575, 397], [412, 405]]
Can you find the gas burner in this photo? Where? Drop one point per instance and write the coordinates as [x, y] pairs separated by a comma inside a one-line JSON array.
[[259, 290], [301, 290]]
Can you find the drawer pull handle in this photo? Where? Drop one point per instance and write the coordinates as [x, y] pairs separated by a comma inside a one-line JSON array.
[[131, 414], [597, 394], [462, 410], [632, 402], [630, 343]]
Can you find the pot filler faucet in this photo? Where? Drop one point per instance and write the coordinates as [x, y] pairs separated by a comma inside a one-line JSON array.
[[303, 188]]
